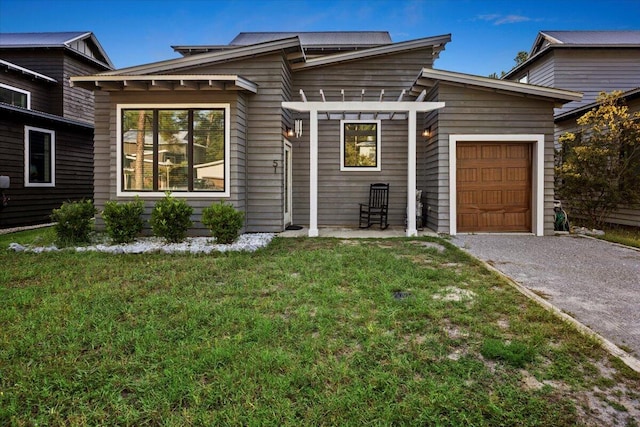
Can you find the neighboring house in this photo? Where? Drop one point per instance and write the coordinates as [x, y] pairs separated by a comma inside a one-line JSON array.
[[294, 127], [590, 62], [46, 126]]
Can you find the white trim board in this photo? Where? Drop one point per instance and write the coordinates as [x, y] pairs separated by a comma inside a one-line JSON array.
[[181, 194], [537, 181]]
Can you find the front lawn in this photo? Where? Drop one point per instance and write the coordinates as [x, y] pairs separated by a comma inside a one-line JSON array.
[[304, 332]]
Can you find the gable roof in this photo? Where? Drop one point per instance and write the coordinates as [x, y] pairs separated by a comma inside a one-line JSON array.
[[429, 77], [585, 39], [548, 40], [67, 40]]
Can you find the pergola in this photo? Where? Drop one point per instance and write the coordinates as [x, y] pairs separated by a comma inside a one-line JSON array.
[[391, 110]]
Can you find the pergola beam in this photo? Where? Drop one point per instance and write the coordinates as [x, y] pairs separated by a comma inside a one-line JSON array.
[[380, 107]]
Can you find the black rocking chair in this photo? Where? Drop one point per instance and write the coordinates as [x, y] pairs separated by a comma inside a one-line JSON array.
[[375, 212]]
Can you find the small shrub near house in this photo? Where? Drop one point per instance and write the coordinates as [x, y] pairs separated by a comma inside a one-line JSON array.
[[123, 221], [171, 218], [224, 221], [74, 222]]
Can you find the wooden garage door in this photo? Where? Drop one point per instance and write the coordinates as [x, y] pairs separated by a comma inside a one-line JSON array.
[[493, 187]]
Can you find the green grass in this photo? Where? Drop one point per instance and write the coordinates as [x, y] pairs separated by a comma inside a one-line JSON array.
[[625, 236], [304, 332]]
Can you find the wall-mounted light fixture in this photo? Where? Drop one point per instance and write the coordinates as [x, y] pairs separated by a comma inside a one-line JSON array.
[[288, 132], [298, 127], [426, 132], [275, 166]]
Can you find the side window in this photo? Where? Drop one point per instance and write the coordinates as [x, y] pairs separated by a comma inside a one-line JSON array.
[[360, 145], [14, 96], [39, 157]]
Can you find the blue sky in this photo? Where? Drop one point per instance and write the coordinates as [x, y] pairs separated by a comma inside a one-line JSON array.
[[486, 35]]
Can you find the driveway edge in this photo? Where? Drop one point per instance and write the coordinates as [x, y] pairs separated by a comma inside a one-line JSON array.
[[613, 349]]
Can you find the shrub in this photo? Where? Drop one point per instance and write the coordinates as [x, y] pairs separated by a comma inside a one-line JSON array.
[[224, 221], [171, 218], [123, 221], [74, 222], [597, 167]]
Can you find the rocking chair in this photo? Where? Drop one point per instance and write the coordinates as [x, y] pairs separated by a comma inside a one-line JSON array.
[[375, 212]]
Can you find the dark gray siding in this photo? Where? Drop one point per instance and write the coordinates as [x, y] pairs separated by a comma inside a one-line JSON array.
[[73, 176], [39, 89], [590, 71], [432, 159], [470, 111], [69, 102], [78, 102], [542, 73]]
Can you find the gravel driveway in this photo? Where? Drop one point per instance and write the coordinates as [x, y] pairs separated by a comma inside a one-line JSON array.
[[596, 282]]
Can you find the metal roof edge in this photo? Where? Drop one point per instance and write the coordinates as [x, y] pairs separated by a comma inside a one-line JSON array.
[[238, 80], [373, 51], [469, 79], [43, 115], [209, 57], [630, 94], [13, 66]]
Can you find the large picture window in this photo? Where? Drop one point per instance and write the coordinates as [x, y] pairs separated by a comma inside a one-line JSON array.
[[39, 157], [173, 148], [360, 145]]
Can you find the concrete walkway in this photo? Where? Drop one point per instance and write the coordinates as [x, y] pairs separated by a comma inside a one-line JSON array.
[[595, 282]]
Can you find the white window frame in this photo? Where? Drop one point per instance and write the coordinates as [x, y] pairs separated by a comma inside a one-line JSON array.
[[182, 194], [27, 156], [378, 166], [537, 179], [15, 89]]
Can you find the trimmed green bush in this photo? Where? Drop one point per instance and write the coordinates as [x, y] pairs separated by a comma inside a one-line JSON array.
[[74, 222], [123, 221], [224, 221], [171, 218]]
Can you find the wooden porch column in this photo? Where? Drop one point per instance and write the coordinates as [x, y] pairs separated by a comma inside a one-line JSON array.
[[313, 173], [411, 176]]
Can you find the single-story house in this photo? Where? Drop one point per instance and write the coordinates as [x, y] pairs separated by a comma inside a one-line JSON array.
[[294, 127]]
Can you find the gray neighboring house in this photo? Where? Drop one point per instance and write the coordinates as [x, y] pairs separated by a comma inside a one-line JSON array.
[[46, 126], [590, 62], [292, 128]]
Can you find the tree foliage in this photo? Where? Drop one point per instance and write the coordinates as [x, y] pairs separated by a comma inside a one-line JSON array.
[[598, 167]]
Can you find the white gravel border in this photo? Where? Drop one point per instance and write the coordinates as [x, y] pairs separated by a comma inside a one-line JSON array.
[[194, 245]]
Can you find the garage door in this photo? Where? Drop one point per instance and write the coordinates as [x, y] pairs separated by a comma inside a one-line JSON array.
[[493, 187]]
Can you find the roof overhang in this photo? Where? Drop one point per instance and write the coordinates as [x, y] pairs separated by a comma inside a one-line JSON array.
[[7, 108], [437, 43], [577, 112], [290, 47], [26, 71], [164, 82], [429, 77]]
